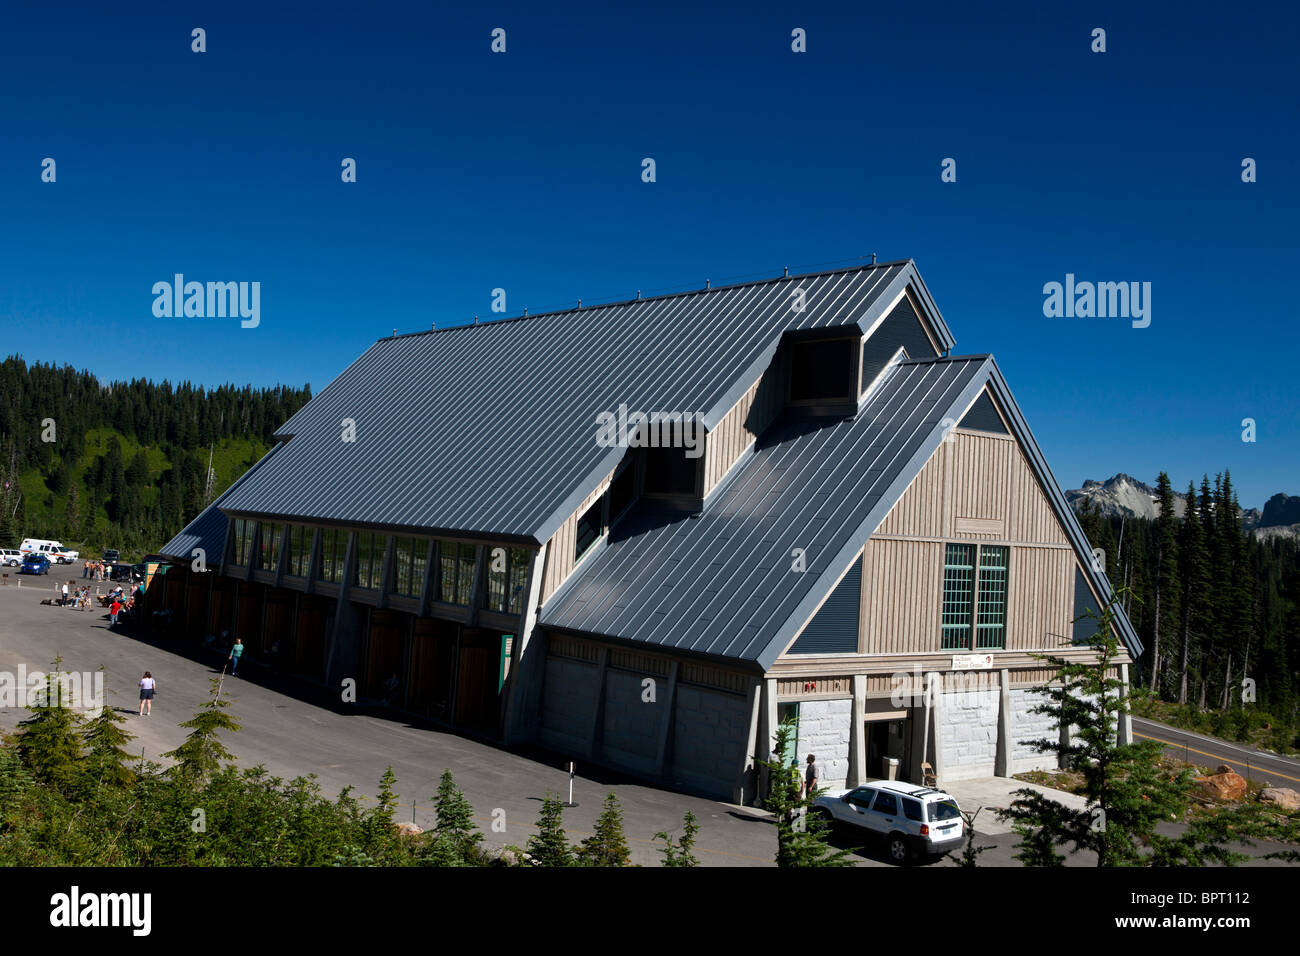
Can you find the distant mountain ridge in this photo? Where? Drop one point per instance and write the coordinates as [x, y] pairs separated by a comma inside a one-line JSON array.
[[1125, 495]]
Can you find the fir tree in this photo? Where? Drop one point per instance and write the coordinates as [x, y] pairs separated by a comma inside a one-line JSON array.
[[549, 846], [606, 846], [202, 752], [455, 828], [49, 741], [800, 834], [107, 760], [1165, 626], [680, 854], [1194, 573]]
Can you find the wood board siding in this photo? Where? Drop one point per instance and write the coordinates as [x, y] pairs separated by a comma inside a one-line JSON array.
[[1040, 598], [902, 591], [741, 426], [559, 550]]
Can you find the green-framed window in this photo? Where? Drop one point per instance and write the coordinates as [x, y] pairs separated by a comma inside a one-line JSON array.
[[507, 576], [991, 612], [974, 615]]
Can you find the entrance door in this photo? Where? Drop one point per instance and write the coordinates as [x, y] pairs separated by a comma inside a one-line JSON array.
[[888, 739]]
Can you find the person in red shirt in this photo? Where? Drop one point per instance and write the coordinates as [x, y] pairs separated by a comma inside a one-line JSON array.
[[113, 610]]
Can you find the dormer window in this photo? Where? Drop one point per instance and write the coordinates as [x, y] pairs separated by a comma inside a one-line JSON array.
[[824, 371]]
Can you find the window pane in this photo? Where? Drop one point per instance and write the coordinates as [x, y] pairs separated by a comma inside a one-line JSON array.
[[465, 582], [958, 596], [518, 581], [402, 565], [588, 530], [419, 565], [822, 369], [447, 560], [621, 492], [990, 625], [497, 568]]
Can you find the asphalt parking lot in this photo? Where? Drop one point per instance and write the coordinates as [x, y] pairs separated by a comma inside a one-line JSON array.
[[288, 728]]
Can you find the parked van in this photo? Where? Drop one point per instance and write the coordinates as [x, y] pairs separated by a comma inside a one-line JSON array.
[[53, 550]]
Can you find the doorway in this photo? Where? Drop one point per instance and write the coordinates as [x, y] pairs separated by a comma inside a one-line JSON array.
[[887, 741]]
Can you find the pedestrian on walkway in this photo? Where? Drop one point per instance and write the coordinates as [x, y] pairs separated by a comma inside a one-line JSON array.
[[147, 685], [236, 653], [811, 777]]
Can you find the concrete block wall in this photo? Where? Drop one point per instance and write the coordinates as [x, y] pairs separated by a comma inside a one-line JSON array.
[[969, 733], [631, 726], [824, 730], [1026, 726], [567, 702], [710, 731]]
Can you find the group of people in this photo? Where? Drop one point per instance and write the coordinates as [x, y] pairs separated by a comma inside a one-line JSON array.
[[75, 597], [96, 570]]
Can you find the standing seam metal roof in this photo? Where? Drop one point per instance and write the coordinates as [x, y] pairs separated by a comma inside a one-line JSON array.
[[490, 429]]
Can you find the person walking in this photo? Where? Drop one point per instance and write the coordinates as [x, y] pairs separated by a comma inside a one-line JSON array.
[[236, 653], [114, 610], [147, 686], [812, 776]]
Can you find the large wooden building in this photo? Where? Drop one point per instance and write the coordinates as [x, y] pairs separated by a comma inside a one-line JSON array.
[[849, 527]]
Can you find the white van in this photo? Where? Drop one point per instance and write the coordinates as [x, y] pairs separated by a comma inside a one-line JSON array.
[[53, 550]]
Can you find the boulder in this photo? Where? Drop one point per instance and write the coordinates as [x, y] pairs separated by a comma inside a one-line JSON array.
[[1224, 768], [408, 829], [1283, 797], [1222, 786]]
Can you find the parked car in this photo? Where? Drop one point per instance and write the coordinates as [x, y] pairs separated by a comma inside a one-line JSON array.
[[127, 572], [35, 563], [112, 556], [912, 820], [11, 557]]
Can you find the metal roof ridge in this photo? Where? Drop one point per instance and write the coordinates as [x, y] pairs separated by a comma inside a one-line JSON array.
[[653, 298]]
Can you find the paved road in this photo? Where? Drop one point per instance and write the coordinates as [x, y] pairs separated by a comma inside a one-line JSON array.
[[291, 730], [1199, 749]]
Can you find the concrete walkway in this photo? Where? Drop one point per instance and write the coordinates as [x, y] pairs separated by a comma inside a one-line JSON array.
[[997, 793]]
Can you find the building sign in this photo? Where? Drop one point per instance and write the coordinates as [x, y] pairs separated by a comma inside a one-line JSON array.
[[972, 662]]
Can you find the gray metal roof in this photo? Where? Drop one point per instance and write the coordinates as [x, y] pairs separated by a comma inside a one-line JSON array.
[[489, 429], [208, 530], [720, 583]]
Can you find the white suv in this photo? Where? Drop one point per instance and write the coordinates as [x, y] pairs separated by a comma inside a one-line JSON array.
[[10, 557], [910, 819]]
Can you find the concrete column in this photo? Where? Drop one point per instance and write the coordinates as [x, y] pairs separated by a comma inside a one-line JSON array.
[[527, 665], [746, 791], [598, 707], [936, 712], [668, 701], [857, 732], [768, 731], [1124, 733], [1002, 761]]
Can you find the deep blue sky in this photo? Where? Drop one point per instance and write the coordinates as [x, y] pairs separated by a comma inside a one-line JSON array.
[[522, 171]]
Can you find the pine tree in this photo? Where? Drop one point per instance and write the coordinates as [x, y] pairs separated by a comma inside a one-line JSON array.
[[202, 752], [680, 854], [800, 834], [49, 741], [107, 760], [549, 846], [606, 846], [1193, 574], [455, 827], [1127, 789], [1165, 627]]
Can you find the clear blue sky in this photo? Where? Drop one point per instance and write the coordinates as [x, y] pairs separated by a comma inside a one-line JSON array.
[[523, 171]]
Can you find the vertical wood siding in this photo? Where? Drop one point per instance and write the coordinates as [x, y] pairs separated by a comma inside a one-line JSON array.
[[559, 551]]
